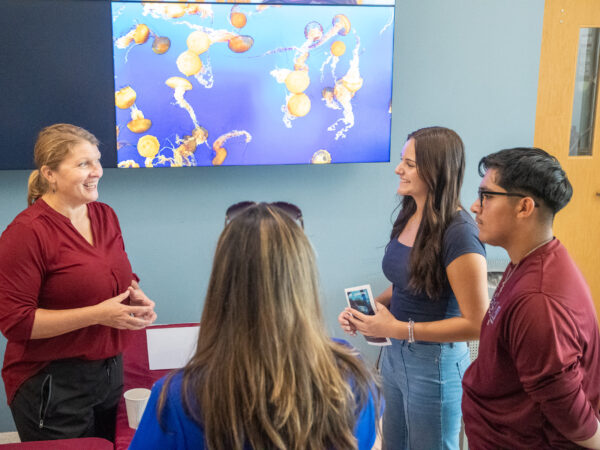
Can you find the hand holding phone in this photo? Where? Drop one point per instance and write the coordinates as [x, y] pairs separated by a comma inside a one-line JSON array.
[[360, 298]]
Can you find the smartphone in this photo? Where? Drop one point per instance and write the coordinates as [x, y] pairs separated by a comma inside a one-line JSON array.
[[360, 298]]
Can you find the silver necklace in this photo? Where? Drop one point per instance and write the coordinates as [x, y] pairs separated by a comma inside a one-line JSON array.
[[509, 274]]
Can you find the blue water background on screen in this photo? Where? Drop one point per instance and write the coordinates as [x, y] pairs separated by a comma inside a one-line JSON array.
[[245, 96]]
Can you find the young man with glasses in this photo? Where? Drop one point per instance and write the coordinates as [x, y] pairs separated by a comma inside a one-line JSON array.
[[536, 381]]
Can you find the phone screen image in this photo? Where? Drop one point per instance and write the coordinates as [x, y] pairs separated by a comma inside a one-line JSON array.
[[359, 300]]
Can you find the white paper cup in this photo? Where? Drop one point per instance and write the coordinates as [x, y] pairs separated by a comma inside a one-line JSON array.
[[135, 402]]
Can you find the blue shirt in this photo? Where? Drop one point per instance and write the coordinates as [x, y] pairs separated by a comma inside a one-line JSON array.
[[460, 238], [179, 431]]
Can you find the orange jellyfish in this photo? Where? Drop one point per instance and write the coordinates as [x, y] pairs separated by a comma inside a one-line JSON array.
[[198, 42], [203, 10], [313, 31], [125, 40], [189, 63], [125, 97], [237, 19], [328, 98], [189, 143], [220, 155], [352, 80], [297, 81], [240, 44], [200, 134], [141, 33], [321, 157], [300, 62], [353, 84], [338, 48], [138, 123], [180, 85], [161, 44], [174, 10], [341, 22], [220, 151], [148, 147], [298, 105], [341, 93], [128, 164]]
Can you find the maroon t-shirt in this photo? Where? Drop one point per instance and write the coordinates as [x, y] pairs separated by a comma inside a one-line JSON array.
[[46, 263], [536, 380]]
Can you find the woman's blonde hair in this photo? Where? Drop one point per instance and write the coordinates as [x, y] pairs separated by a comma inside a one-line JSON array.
[[51, 148], [265, 372]]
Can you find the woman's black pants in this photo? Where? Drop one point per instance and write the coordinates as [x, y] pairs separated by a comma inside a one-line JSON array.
[[70, 398]]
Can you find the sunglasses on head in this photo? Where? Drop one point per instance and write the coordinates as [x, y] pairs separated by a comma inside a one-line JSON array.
[[288, 208]]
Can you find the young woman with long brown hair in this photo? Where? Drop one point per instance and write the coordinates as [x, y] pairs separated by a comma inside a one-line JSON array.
[[265, 375], [437, 299]]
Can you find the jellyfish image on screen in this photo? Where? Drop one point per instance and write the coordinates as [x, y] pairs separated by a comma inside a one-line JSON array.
[[180, 86], [237, 18], [219, 149], [297, 103], [321, 157], [148, 146], [337, 49], [125, 99], [225, 83], [128, 164], [199, 41], [138, 35], [183, 154], [177, 10], [343, 92], [189, 63]]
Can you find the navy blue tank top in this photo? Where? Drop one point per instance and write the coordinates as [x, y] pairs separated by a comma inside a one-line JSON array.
[[460, 238]]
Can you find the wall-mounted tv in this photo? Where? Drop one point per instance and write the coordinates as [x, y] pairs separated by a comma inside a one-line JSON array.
[[200, 84]]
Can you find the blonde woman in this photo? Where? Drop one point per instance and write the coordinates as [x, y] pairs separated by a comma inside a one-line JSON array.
[[265, 374], [65, 281]]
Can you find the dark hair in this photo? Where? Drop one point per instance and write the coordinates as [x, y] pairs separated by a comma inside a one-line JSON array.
[[440, 159], [530, 171]]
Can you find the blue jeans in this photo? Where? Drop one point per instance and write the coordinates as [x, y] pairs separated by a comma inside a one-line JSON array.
[[422, 391]]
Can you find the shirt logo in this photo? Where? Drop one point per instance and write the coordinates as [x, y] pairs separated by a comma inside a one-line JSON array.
[[493, 310]]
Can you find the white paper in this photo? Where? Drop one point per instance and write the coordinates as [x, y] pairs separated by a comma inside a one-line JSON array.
[[171, 348]]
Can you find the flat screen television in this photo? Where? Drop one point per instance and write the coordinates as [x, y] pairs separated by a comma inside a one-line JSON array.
[[199, 84], [166, 84]]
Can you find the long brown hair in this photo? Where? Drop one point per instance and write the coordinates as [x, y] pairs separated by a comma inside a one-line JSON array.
[[440, 158], [265, 373], [51, 148]]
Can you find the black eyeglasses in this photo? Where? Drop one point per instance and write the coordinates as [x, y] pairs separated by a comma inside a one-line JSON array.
[[483, 193], [288, 208]]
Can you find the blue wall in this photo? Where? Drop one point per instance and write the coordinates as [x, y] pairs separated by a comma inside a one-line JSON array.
[[456, 64]]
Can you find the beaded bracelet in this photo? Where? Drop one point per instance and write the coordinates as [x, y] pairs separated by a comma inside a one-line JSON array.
[[411, 331]]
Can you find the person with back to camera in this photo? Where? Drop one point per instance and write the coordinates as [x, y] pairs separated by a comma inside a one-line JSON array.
[[64, 282], [536, 381], [437, 299], [264, 375]]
